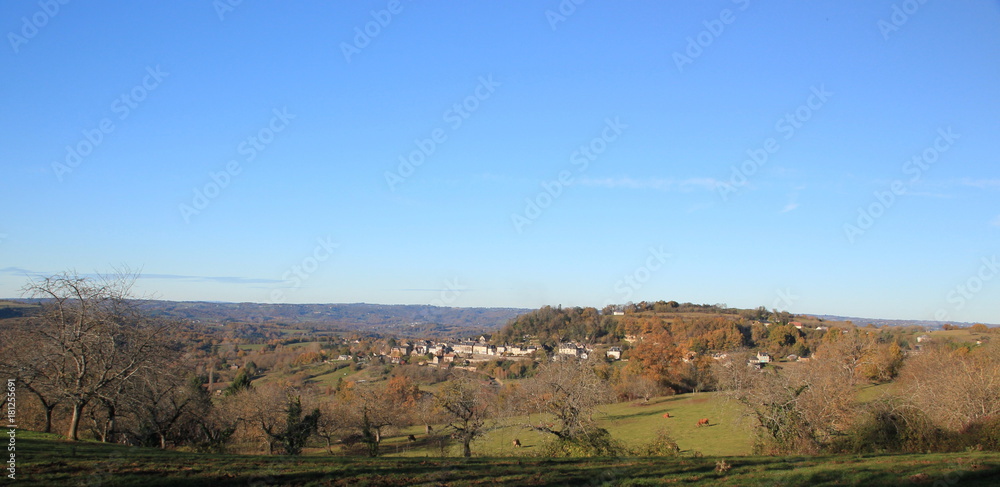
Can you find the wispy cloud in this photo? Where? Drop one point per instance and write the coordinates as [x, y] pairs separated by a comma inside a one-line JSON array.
[[18, 271], [220, 279], [793, 199], [433, 290], [980, 183], [217, 279], [658, 184]]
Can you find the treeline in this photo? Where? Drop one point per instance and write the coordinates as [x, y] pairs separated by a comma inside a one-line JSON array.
[[549, 326], [712, 329]]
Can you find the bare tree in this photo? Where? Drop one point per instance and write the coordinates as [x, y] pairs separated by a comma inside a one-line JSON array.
[[260, 411], [370, 412], [570, 391], [90, 336], [20, 359], [332, 421], [955, 387], [791, 411], [163, 400], [468, 405]]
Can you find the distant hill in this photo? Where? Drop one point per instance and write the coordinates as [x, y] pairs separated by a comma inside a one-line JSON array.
[[401, 320], [929, 324]]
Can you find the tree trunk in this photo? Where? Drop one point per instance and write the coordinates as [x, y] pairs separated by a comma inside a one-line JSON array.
[[48, 417], [74, 422], [110, 430], [466, 448]]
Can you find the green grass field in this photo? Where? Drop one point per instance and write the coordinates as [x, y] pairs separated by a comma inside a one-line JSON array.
[[631, 422], [46, 460]]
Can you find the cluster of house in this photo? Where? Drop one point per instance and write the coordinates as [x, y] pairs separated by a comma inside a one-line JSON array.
[[444, 352], [481, 348]]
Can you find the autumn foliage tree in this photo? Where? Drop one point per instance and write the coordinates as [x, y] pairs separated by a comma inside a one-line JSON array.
[[657, 356]]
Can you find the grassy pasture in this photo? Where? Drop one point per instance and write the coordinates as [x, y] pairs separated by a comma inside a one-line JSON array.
[[45, 460]]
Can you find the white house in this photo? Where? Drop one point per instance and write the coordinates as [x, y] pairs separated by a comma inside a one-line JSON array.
[[614, 353], [522, 351]]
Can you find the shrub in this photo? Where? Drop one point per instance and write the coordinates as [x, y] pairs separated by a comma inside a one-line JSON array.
[[595, 442], [982, 435], [663, 445], [887, 427]]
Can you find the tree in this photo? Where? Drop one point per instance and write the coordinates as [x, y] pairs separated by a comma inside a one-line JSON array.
[[331, 422], [91, 337], [239, 383], [956, 389], [795, 411], [298, 428], [163, 401], [632, 385], [658, 356], [370, 411], [570, 391], [468, 405], [768, 400], [31, 371], [259, 411]]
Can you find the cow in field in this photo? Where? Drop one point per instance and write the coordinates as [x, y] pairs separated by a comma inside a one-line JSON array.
[[517, 443], [411, 438], [666, 415], [703, 422]]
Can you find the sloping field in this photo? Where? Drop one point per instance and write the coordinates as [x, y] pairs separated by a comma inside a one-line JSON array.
[[632, 423]]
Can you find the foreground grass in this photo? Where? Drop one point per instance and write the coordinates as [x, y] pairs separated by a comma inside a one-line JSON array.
[[44, 460]]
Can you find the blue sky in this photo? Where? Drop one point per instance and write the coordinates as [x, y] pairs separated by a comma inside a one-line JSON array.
[[736, 152]]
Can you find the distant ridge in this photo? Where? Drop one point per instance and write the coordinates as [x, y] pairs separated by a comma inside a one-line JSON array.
[[932, 324], [399, 319]]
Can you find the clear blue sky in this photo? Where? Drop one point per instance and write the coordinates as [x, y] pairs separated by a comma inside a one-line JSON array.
[[310, 115]]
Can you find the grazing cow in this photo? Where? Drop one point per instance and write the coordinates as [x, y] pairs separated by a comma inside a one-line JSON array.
[[411, 438], [517, 443], [703, 422], [666, 415]]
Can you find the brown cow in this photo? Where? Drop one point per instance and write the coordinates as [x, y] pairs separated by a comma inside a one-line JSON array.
[[703, 422], [517, 443], [666, 415], [411, 438]]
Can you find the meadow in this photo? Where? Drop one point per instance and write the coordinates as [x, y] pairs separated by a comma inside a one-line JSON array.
[[630, 422], [718, 454], [45, 460]]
